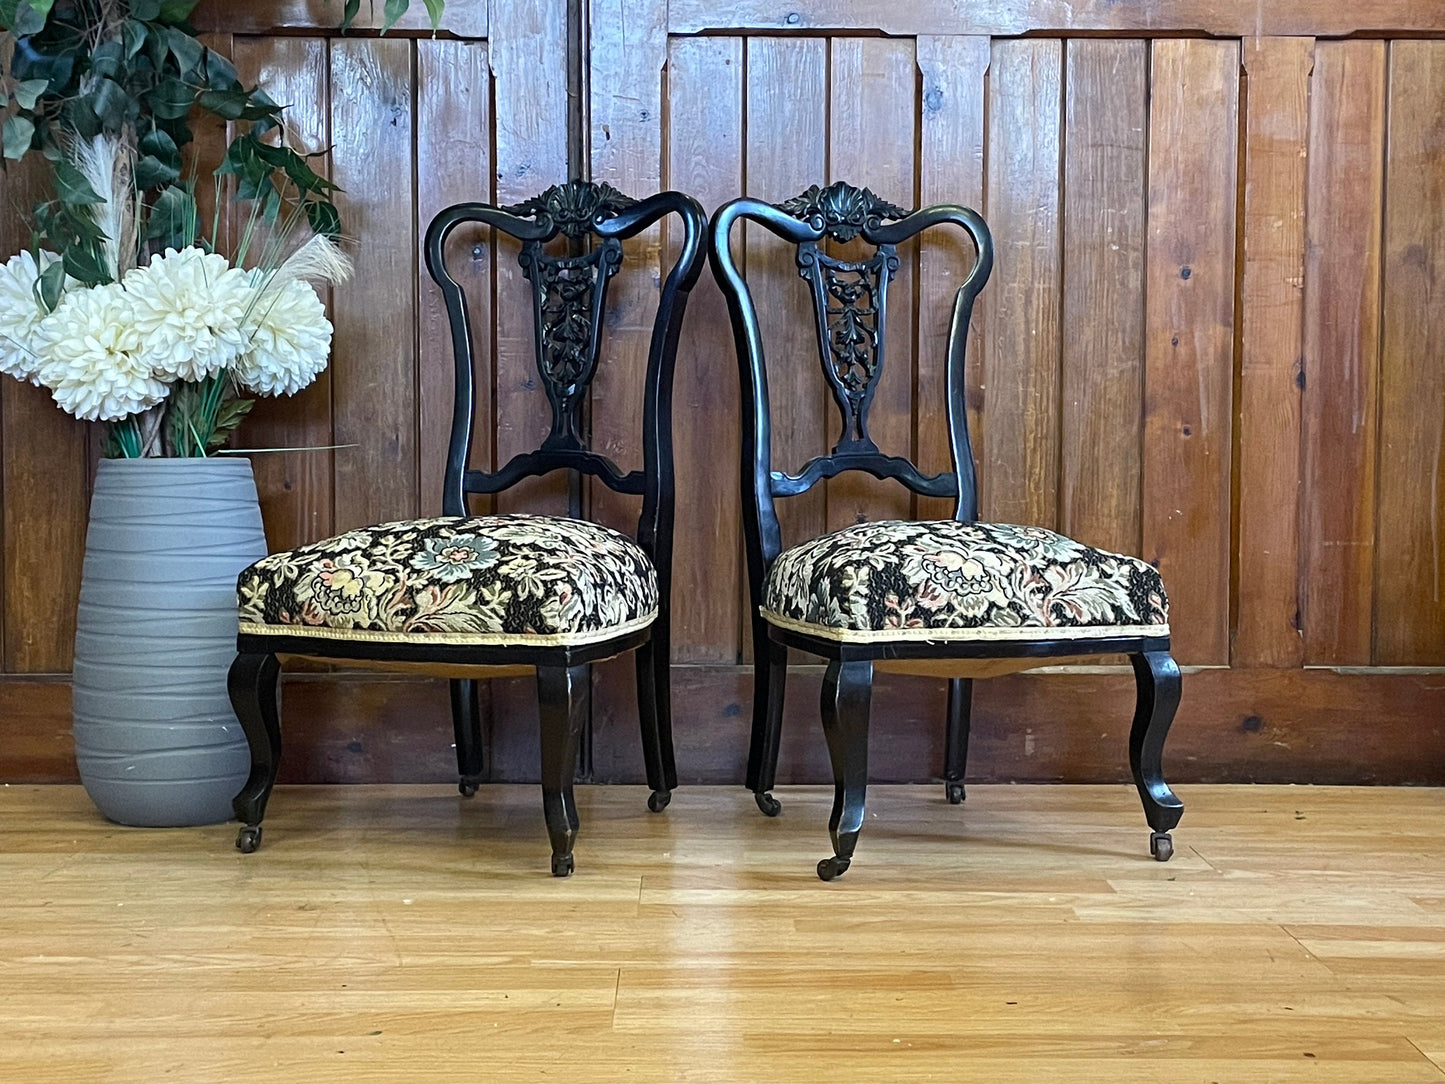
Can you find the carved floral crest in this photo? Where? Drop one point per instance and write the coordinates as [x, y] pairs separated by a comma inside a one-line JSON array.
[[841, 210], [575, 207]]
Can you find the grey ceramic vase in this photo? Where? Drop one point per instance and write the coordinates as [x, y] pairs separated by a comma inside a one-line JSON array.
[[155, 737]]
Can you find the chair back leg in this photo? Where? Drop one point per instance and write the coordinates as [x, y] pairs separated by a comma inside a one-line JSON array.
[[770, 675], [653, 692], [467, 727], [955, 742]]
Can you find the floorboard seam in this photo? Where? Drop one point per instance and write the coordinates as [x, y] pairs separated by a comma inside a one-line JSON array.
[[1428, 1059]]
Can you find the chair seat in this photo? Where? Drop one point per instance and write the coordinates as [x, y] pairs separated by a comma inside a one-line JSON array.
[[486, 580], [952, 582]]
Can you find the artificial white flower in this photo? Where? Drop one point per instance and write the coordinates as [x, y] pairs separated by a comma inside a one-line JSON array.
[[189, 306], [91, 356], [20, 314], [290, 339]]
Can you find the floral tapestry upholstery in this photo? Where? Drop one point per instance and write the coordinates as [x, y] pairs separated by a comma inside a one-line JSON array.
[[947, 581], [494, 580]]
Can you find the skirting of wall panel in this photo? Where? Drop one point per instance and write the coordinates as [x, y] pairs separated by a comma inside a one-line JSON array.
[[1256, 726]]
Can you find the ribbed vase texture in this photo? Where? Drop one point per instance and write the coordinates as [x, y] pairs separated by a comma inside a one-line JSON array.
[[155, 737]]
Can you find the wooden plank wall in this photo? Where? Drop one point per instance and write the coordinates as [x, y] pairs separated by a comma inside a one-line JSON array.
[[1210, 340]]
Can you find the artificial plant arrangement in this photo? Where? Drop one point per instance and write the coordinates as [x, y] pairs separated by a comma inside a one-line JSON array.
[[122, 307]]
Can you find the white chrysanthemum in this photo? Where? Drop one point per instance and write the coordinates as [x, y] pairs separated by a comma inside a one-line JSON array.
[[189, 306], [91, 356], [290, 340], [20, 314]]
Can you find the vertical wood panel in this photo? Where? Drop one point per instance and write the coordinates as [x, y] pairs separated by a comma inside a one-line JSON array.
[[950, 170], [1106, 111], [1019, 482], [43, 488], [705, 159], [454, 151], [528, 50], [628, 50], [1189, 339], [374, 378], [1342, 324], [1410, 549], [529, 68], [296, 488], [787, 142], [871, 144], [1272, 318]]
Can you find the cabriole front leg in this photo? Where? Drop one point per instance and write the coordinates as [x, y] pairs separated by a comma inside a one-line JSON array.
[[467, 729], [252, 684], [847, 691], [1158, 680], [955, 742], [562, 711]]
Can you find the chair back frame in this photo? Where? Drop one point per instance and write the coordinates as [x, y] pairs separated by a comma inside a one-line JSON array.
[[850, 314], [569, 304]]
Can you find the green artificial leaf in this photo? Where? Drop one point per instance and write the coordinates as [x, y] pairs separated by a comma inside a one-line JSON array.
[[28, 92], [348, 13], [50, 284], [22, 17], [19, 132], [187, 50], [86, 264], [323, 218], [158, 142], [171, 99], [71, 185], [133, 35], [220, 72], [228, 418], [151, 172], [145, 10], [177, 11], [434, 8], [227, 104], [110, 104], [107, 59], [172, 216], [395, 9]]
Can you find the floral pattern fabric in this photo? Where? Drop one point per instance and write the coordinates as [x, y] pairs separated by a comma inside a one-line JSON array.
[[507, 579], [961, 581]]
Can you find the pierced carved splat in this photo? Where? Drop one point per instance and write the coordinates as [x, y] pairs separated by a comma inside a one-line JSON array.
[[575, 207], [850, 306], [840, 210], [569, 295]]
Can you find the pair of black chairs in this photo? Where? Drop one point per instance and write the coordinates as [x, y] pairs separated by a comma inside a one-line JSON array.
[[481, 596]]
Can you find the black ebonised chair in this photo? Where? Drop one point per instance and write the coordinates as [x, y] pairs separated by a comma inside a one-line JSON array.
[[955, 597], [490, 594]]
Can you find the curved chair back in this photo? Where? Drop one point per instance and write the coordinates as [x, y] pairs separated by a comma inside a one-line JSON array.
[[569, 304], [850, 313]]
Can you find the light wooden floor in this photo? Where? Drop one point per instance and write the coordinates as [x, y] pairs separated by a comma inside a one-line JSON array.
[[403, 934]]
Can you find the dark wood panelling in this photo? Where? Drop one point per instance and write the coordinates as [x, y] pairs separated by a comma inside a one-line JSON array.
[[786, 151], [454, 152], [374, 377], [1020, 475], [1106, 122], [705, 158], [1271, 351], [296, 487], [464, 18], [1007, 18], [1189, 341], [1410, 546], [871, 121], [1257, 725], [1341, 339], [950, 170]]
